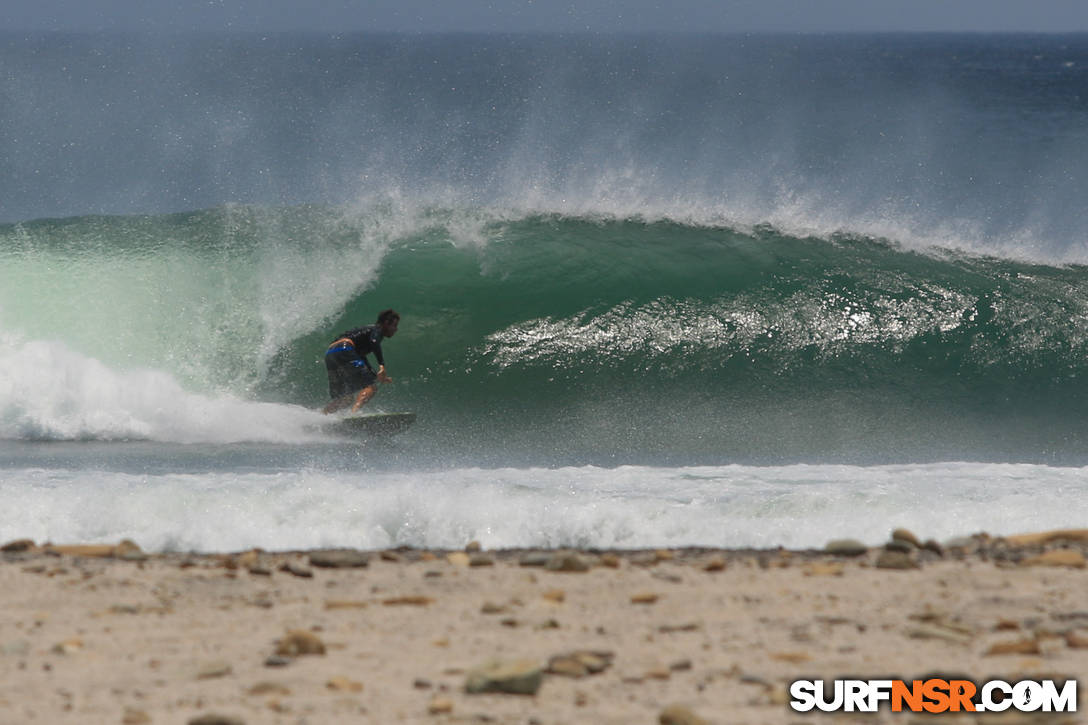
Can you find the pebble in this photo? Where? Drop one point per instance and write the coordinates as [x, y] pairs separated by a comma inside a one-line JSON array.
[[411, 601], [947, 634], [259, 569], [296, 569], [535, 558], [777, 694], [567, 667], [961, 543], [824, 568], [1046, 537], [278, 661], [900, 545], [132, 716], [644, 598], [213, 670], [517, 677], [268, 688], [610, 560], [245, 560], [125, 609], [440, 706], [300, 642], [127, 550], [895, 560], [906, 536], [644, 558], [932, 545], [215, 719], [793, 658], [1015, 647], [343, 684], [340, 559], [68, 646], [331, 604], [1057, 557], [846, 547], [458, 558], [567, 561], [715, 563], [679, 715], [682, 627], [557, 596], [580, 663]]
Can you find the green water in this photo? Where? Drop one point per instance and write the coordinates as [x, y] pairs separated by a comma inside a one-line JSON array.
[[608, 336]]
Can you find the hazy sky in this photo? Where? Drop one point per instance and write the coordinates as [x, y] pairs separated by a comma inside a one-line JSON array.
[[547, 15]]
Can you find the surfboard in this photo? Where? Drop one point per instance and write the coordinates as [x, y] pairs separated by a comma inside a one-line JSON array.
[[374, 423]]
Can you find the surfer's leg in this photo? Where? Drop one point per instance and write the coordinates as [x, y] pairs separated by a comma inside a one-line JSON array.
[[364, 395], [341, 391], [337, 403], [349, 380], [363, 380]]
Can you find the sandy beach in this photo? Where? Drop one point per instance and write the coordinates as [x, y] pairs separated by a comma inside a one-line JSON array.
[[111, 634]]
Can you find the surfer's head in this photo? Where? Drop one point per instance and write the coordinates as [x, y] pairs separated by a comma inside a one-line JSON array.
[[388, 321]]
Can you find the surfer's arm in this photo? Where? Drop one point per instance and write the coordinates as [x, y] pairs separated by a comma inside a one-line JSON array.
[[376, 348]]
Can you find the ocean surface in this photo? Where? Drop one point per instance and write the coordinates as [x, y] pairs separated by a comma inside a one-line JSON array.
[[655, 290]]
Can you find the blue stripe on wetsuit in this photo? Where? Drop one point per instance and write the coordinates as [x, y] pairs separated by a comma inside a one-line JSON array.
[[360, 362]]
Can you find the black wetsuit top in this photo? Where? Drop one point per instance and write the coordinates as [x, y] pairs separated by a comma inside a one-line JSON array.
[[367, 340]]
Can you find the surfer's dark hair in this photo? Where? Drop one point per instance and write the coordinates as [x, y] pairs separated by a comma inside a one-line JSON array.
[[389, 315]]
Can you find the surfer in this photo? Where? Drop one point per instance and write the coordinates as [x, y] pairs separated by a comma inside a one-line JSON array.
[[351, 378]]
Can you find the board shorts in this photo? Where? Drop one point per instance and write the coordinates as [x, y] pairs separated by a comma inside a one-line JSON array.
[[348, 372]]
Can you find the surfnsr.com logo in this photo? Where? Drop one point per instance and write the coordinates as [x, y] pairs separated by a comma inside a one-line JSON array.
[[933, 695]]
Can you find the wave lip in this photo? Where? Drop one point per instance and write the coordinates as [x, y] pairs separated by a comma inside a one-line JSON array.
[[976, 141]]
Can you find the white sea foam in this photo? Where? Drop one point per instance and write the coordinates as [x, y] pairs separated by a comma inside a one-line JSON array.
[[625, 507], [50, 392]]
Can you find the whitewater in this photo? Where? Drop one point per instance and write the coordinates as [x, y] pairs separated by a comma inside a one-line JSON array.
[[655, 291]]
